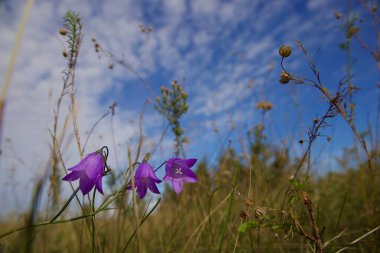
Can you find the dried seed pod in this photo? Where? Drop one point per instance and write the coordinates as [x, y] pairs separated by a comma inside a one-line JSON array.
[[260, 213], [352, 31], [63, 31], [285, 77], [338, 15], [244, 215], [248, 202], [285, 50], [65, 54]]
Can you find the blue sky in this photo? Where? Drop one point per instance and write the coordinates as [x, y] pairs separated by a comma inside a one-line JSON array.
[[223, 52]]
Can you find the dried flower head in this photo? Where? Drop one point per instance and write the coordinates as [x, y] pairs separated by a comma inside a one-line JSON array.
[[352, 31], [264, 105], [260, 213], [244, 215], [338, 15], [285, 77], [146, 29], [65, 54], [285, 50], [248, 202]]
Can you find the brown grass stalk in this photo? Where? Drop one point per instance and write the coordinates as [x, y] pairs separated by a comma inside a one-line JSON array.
[[11, 64]]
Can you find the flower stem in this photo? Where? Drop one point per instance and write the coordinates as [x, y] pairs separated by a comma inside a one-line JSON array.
[[102, 207], [93, 220], [65, 205], [134, 200]]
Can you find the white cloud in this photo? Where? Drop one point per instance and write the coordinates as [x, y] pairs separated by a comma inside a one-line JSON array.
[[224, 97], [206, 8], [201, 39]]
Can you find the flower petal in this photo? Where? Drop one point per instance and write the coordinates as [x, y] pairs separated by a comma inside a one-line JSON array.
[[141, 189], [99, 185], [153, 187], [73, 175], [177, 186], [170, 163], [143, 170], [189, 176], [78, 167], [189, 162], [83, 163], [94, 166], [153, 176], [86, 184]]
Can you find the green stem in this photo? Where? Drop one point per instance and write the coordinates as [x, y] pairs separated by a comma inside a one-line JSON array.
[[49, 223], [102, 207], [66, 204], [93, 220]]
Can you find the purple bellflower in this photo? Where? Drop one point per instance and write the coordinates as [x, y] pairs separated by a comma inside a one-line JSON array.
[[145, 178], [178, 171], [89, 171]]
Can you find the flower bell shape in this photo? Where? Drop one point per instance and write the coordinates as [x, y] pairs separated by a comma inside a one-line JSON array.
[[145, 178], [178, 171], [89, 171]]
